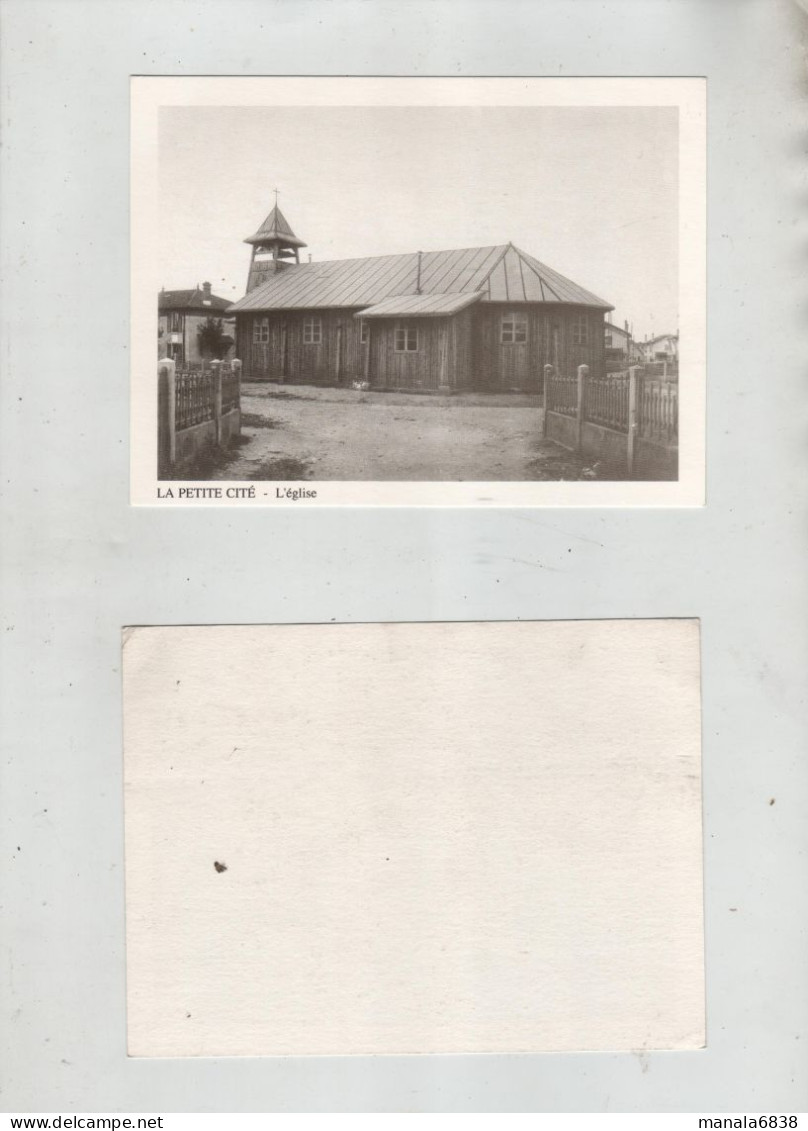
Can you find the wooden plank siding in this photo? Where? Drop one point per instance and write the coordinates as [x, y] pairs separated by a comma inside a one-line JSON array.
[[421, 369], [464, 351], [338, 357], [462, 355], [550, 341]]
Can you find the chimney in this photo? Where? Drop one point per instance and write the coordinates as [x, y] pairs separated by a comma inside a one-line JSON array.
[[418, 279], [206, 290], [309, 257]]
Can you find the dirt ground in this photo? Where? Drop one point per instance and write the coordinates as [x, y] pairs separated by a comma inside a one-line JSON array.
[[305, 432]]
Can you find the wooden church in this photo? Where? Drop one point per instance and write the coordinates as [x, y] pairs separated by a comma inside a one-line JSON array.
[[477, 318]]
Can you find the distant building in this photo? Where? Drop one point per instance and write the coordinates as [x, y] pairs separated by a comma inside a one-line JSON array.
[[620, 347], [180, 316], [664, 347], [487, 318], [617, 342]]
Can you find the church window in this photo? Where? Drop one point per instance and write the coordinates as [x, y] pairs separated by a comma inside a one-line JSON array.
[[406, 339]]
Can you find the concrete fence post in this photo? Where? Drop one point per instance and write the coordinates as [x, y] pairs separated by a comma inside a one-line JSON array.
[[235, 365], [166, 414], [583, 374], [216, 367], [633, 380], [549, 373]]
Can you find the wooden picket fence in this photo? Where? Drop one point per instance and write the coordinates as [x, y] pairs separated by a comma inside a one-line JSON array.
[[201, 398], [194, 395], [641, 403], [658, 409]]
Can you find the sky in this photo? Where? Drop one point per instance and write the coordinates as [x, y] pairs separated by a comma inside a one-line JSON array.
[[590, 191]]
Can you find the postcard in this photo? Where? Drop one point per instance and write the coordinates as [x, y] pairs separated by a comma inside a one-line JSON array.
[[477, 837], [406, 292]]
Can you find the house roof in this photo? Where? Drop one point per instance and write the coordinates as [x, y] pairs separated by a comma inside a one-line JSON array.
[[420, 305], [660, 338], [619, 329], [501, 273], [276, 228], [191, 300]]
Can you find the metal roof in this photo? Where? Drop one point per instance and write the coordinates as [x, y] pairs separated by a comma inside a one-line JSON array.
[[501, 273], [430, 306], [276, 228]]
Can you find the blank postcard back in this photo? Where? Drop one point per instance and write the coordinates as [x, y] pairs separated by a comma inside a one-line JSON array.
[[413, 838]]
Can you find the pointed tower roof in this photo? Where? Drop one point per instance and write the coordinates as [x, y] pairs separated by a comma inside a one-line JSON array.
[[276, 229]]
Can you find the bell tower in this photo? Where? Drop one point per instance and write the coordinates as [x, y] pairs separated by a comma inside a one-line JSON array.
[[273, 245]]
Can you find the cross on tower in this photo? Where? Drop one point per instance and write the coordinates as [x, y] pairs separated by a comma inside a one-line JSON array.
[[276, 197]]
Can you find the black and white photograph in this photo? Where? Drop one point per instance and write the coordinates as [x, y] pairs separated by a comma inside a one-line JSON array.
[[473, 296], [402, 667]]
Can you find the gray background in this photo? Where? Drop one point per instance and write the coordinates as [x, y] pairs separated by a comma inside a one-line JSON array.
[[79, 562]]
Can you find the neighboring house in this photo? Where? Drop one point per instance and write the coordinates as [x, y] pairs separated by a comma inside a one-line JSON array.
[[180, 315], [487, 318], [617, 340], [664, 347], [621, 349]]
